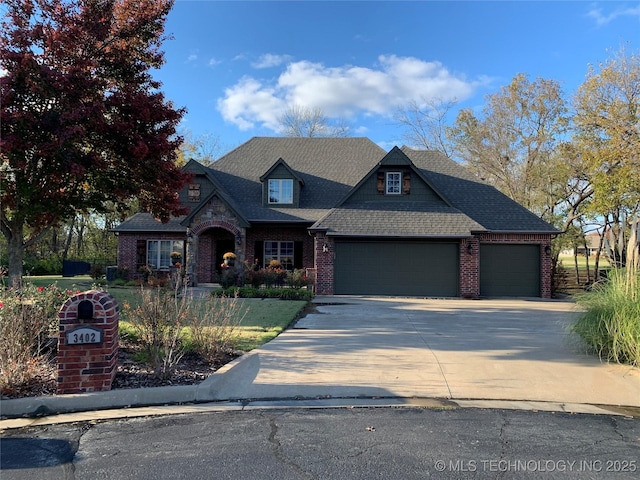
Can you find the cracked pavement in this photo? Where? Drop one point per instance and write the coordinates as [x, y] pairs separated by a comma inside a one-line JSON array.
[[343, 443]]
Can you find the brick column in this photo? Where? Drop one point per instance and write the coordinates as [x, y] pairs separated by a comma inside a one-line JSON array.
[[470, 268], [88, 343], [324, 259]]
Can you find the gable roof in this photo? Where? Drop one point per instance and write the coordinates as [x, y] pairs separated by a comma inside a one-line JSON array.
[[332, 170], [483, 203], [329, 168], [282, 163], [462, 205]]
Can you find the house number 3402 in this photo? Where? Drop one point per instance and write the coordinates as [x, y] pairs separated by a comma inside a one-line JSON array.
[[84, 338], [84, 335]]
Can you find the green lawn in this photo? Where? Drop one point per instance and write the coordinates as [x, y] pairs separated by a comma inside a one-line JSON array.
[[262, 319]]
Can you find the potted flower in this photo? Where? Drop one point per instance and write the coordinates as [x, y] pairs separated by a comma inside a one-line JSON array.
[[229, 258], [175, 257]]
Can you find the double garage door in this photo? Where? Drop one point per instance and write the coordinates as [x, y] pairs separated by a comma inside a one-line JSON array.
[[402, 268], [431, 269]]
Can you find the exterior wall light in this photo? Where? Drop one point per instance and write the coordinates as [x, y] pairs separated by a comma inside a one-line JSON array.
[[469, 248]]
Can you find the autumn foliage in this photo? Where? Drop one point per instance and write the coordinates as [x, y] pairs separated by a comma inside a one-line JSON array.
[[83, 122]]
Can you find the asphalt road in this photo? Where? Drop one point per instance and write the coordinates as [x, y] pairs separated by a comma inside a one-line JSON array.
[[345, 443]]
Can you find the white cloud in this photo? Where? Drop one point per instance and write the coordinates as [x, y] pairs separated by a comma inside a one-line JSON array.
[[249, 102], [213, 62], [269, 60], [192, 58], [604, 19], [344, 91]]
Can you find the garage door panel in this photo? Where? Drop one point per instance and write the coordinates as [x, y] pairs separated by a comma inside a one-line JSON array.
[[396, 268], [509, 270]]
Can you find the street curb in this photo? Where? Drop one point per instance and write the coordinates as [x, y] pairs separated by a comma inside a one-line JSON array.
[[125, 398], [312, 404]]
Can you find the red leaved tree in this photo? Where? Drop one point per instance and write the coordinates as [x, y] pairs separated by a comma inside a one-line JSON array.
[[83, 122]]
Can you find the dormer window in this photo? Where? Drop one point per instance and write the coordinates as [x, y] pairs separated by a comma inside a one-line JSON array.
[[281, 191], [393, 182]]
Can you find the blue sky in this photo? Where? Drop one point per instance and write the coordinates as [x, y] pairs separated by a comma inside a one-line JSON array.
[[236, 66]]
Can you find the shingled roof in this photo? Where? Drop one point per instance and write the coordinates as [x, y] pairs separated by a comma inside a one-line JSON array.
[[483, 203], [330, 171], [328, 167], [462, 206]]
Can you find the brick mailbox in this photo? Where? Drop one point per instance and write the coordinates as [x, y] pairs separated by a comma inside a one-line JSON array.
[[88, 343]]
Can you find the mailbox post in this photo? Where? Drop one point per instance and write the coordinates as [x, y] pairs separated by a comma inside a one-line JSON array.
[[88, 343]]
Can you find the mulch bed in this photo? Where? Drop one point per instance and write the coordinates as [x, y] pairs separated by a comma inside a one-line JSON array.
[[192, 369]]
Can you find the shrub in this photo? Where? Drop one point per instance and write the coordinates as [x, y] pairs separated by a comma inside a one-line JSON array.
[[43, 266], [214, 327], [229, 277], [251, 292], [28, 317], [298, 278], [610, 325], [97, 271], [253, 274], [158, 322]]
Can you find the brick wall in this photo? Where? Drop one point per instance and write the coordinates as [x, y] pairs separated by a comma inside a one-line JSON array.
[[281, 234], [469, 268], [127, 245], [324, 264]]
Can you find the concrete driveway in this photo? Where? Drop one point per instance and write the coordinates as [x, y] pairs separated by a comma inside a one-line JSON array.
[[456, 349]]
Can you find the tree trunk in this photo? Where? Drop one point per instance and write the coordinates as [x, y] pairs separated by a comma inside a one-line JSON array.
[[586, 259], [16, 255], [67, 244]]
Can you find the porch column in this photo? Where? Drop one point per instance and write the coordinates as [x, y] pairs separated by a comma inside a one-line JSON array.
[[191, 276]]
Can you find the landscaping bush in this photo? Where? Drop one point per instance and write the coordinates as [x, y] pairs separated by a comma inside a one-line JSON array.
[[28, 317], [251, 292], [97, 271], [298, 279], [158, 321], [214, 326], [610, 325], [44, 266]]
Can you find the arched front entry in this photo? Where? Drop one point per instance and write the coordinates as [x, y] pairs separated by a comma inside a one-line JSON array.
[[208, 242]]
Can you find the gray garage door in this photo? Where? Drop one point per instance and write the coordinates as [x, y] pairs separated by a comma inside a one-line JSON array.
[[396, 268], [509, 270]]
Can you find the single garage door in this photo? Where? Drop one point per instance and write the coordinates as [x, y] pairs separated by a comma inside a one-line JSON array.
[[509, 270], [396, 268]]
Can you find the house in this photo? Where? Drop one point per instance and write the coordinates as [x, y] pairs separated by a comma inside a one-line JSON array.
[[364, 221], [592, 242]]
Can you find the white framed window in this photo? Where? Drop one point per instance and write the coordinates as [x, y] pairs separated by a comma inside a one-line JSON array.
[[281, 191], [280, 251], [393, 183], [159, 252]]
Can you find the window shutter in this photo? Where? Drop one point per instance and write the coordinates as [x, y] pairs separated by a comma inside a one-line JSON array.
[[406, 183], [297, 255], [258, 253], [380, 183], [141, 253]]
